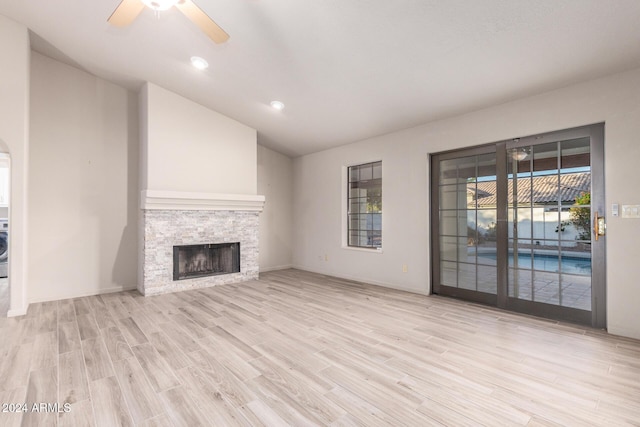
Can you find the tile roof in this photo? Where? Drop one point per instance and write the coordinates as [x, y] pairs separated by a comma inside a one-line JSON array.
[[539, 189]]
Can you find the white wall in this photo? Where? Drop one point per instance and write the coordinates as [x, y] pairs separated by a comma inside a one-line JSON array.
[[14, 139], [83, 183], [275, 182], [192, 148], [318, 188]]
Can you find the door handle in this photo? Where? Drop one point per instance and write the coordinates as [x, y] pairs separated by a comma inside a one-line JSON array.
[[599, 226]]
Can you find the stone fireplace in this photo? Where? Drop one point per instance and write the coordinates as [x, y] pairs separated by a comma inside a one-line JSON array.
[[190, 220]]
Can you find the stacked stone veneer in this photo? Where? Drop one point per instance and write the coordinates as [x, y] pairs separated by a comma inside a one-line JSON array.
[[165, 228]]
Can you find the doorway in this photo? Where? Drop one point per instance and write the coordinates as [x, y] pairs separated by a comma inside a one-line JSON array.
[[513, 225], [4, 234]]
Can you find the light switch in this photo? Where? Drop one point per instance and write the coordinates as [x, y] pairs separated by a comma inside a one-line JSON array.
[[630, 211], [614, 209]]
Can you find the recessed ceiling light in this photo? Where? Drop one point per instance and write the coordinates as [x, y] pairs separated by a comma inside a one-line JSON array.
[[160, 4], [277, 105], [199, 63]]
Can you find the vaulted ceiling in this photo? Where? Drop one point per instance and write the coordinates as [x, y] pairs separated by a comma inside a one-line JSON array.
[[345, 69]]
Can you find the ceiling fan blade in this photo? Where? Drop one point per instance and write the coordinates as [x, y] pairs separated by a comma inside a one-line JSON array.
[[125, 13], [203, 21]]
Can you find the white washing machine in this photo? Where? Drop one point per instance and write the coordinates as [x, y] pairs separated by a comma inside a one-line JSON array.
[[4, 246]]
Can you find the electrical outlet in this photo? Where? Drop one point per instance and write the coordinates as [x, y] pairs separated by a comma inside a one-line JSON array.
[[630, 211], [405, 268]]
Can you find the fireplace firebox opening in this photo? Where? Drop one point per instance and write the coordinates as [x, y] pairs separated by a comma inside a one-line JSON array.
[[210, 259]]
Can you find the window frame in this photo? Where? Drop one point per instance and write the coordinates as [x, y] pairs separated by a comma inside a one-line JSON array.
[[347, 200]]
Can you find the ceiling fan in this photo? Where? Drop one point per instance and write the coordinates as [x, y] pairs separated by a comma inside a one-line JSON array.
[[128, 10]]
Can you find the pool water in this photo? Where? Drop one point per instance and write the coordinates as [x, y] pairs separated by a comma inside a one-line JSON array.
[[567, 264]]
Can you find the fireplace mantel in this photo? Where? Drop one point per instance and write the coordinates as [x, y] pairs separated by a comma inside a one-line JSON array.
[[180, 200]]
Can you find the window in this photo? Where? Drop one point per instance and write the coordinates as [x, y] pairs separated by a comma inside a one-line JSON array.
[[365, 205]]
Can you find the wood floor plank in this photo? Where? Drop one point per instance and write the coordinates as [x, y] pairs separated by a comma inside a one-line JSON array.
[[115, 307], [231, 387], [14, 368], [116, 344], [250, 336], [471, 407], [170, 352], [202, 389], [181, 337], [42, 389], [144, 323], [132, 332], [299, 368], [367, 413], [198, 317], [154, 313], [103, 316], [66, 311], [45, 351], [220, 334], [286, 408], [260, 414], [226, 354], [128, 302], [192, 329], [34, 310], [159, 421], [142, 400], [158, 371], [87, 326], [12, 334], [79, 414], [108, 404], [203, 307], [279, 348], [73, 386], [347, 420], [68, 337], [299, 391], [47, 321], [29, 326], [404, 408], [96, 359], [444, 415], [13, 418], [167, 303], [81, 306], [182, 409]]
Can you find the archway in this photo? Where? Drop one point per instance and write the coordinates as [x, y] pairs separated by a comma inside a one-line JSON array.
[[5, 197]]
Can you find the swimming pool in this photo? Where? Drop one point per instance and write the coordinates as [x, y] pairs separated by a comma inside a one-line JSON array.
[[544, 262]]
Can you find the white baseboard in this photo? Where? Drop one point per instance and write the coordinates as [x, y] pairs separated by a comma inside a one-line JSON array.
[[84, 294], [623, 331], [360, 279], [278, 267], [18, 312]]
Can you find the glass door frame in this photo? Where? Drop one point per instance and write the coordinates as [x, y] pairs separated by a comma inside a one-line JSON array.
[[597, 316], [470, 295]]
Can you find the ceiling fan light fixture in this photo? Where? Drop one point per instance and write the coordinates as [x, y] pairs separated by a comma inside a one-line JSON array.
[[277, 105], [199, 63], [159, 5]]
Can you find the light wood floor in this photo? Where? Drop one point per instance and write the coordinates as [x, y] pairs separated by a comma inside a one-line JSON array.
[[296, 348]]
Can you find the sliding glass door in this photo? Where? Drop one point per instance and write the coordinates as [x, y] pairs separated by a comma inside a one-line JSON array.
[[466, 229], [514, 225]]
